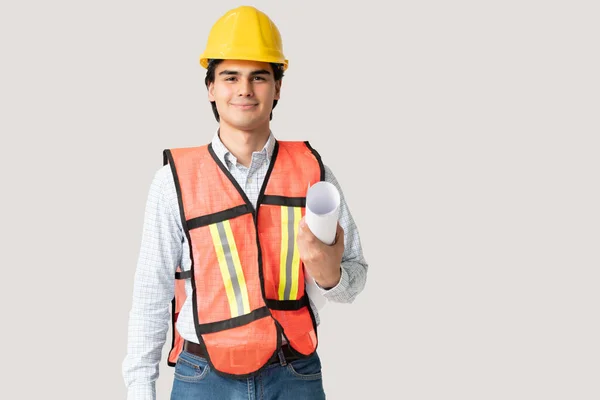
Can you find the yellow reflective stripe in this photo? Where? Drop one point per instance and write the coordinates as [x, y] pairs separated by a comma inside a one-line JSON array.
[[214, 232], [289, 258], [238, 267], [296, 256], [284, 251]]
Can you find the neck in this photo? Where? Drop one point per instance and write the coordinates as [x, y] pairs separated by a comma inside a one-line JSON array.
[[242, 143]]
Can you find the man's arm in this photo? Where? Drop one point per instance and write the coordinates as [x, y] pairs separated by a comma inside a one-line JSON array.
[[354, 266], [153, 290]]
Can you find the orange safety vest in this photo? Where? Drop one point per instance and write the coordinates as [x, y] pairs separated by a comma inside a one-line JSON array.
[[246, 273]]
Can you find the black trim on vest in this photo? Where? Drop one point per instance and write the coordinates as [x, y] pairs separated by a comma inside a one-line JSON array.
[[173, 303], [288, 305], [259, 201], [219, 216], [318, 157], [284, 201], [234, 322], [169, 156], [230, 177], [173, 309], [183, 274]]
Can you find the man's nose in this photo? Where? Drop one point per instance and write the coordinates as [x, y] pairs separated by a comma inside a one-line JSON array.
[[245, 88]]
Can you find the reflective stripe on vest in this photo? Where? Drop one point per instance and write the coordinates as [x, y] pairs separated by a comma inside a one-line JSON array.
[[231, 270], [246, 275], [290, 258]]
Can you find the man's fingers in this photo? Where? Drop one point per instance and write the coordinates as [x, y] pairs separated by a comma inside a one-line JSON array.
[[339, 234], [304, 231]]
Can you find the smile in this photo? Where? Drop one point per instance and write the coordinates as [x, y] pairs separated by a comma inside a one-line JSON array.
[[245, 106]]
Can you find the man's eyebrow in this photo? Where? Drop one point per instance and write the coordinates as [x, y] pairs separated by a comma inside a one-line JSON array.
[[260, 72], [253, 73]]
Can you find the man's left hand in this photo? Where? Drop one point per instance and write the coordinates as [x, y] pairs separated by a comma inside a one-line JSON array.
[[322, 261]]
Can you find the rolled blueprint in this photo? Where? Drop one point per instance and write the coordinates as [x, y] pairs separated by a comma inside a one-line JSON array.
[[321, 216]]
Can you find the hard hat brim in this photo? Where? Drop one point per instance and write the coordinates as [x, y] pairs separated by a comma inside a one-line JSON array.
[[205, 59]]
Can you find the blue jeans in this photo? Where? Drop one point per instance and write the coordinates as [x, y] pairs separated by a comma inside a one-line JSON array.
[[297, 380]]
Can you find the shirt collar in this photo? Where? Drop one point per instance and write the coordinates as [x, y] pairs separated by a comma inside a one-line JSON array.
[[224, 154]]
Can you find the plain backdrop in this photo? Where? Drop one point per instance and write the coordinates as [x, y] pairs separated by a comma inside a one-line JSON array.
[[464, 135]]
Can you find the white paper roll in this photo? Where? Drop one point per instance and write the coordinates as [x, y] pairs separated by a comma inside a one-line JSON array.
[[321, 216], [322, 210]]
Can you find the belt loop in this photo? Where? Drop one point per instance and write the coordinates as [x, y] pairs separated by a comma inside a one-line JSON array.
[[281, 358]]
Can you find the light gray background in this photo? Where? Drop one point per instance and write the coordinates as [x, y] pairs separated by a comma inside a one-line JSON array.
[[464, 134]]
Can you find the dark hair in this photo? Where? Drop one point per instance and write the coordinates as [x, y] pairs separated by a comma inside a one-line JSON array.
[[210, 78]]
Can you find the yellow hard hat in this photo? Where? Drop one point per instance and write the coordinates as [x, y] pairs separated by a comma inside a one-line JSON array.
[[244, 33]]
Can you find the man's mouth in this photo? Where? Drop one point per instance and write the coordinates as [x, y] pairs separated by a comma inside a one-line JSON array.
[[245, 106]]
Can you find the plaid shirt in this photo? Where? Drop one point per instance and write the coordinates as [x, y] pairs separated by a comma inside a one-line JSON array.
[[164, 247]]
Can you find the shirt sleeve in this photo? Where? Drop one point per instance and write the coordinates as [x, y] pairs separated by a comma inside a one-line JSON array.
[[354, 266], [153, 291]]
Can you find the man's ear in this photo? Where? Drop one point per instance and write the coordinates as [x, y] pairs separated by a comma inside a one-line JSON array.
[[278, 89], [211, 91]]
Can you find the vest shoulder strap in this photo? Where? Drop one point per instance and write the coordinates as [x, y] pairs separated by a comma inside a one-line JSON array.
[[185, 153]]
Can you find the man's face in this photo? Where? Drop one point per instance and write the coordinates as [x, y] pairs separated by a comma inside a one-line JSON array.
[[244, 92]]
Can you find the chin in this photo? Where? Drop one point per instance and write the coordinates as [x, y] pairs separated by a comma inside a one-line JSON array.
[[246, 124]]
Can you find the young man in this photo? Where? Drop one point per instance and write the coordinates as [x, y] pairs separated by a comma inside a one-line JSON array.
[[218, 256]]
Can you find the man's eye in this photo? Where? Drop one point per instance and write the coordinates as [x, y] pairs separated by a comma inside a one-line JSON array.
[[231, 78], [259, 78]]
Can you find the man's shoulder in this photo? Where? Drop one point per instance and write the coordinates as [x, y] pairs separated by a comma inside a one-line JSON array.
[[163, 174], [163, 178]]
